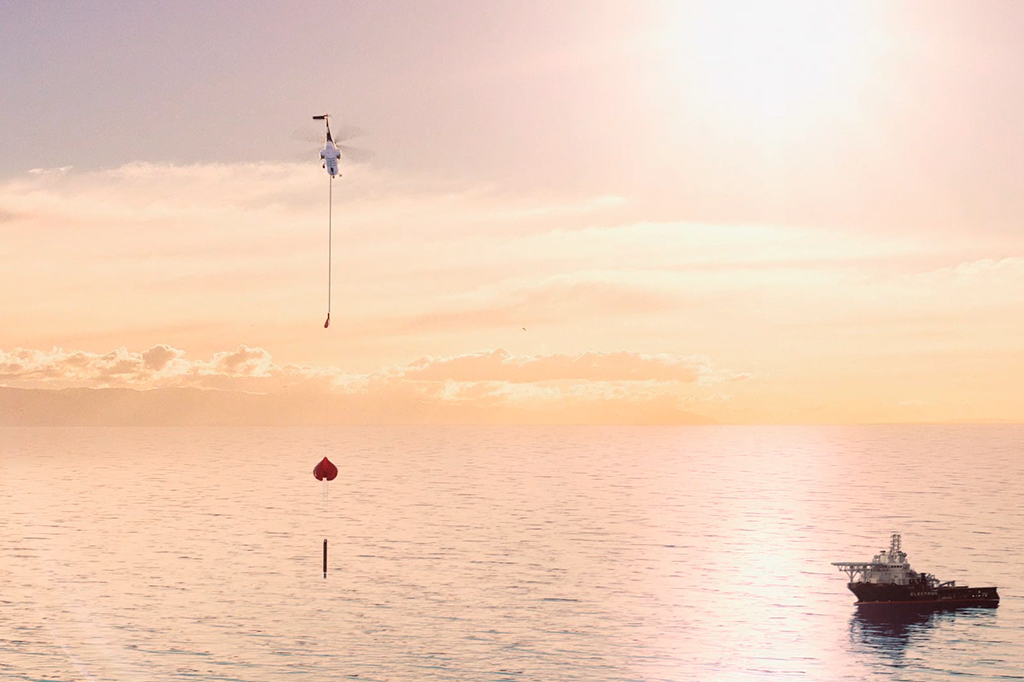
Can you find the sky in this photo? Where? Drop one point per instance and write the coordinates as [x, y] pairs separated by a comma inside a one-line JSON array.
[[653, 212]]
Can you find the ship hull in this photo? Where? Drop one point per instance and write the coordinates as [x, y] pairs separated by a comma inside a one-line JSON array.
[[881, 593]]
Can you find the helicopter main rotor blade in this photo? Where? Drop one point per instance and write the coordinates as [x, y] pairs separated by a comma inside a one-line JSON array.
[[339, 133], [306, 156], [343, 131], [307, 134], [357, 154]]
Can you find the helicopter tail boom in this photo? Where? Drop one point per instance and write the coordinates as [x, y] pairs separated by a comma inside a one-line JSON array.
[[326, 118]]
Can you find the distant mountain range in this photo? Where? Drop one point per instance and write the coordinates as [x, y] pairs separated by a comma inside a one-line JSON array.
[[198, 407]]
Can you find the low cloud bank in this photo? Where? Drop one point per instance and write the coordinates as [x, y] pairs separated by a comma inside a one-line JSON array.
[[160, 385]]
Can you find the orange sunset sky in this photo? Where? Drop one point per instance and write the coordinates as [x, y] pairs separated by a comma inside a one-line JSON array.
[[728, 211]]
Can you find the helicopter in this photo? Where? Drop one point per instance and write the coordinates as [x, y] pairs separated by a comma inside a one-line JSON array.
[[330, 153]]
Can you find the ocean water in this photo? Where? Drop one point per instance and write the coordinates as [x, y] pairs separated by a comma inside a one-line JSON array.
[[575, 553]]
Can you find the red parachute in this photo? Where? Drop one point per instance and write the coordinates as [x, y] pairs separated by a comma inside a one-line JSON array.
[[325, 470]]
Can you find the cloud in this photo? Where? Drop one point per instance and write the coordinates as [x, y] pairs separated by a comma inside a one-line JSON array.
[[552, 301], [157, 357], [244, 361], [373, 204], [146, 245], [161, 258], [161, 366], [493, 385], [51, 172], [502, 366]]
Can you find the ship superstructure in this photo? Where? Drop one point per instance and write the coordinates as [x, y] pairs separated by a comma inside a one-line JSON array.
[[888, 578]]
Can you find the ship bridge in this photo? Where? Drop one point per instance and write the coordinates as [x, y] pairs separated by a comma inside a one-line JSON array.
[[889, 566]]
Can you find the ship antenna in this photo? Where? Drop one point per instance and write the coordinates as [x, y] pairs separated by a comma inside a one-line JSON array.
[[895, 544]]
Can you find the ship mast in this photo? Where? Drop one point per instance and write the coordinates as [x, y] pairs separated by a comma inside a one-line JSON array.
[[887, 561]]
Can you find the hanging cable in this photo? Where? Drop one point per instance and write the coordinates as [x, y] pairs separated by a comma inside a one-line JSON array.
[[330, 200]]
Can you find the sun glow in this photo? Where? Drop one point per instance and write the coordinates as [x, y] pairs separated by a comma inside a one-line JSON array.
[[772, 64]]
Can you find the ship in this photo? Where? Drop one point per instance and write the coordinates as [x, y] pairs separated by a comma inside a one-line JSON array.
[[888, 579]]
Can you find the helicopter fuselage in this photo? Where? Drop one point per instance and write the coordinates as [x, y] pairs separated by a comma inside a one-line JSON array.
[[330, 155]]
